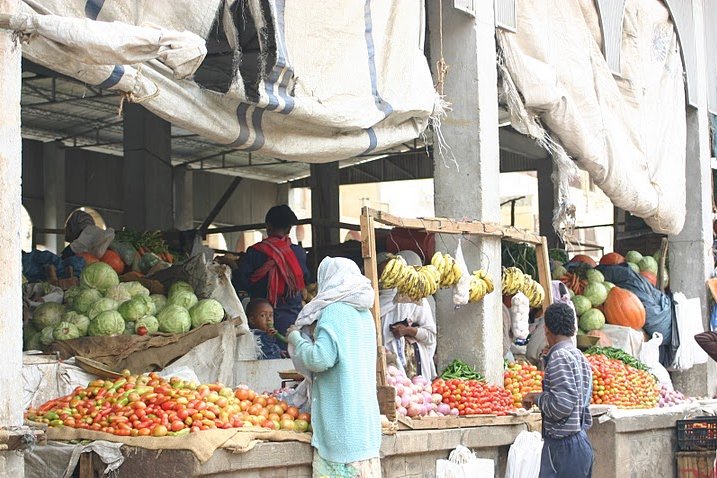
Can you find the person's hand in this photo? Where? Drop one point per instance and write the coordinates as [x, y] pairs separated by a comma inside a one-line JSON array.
[[292, 328], [272, 331], [399, 330], [529, 399]]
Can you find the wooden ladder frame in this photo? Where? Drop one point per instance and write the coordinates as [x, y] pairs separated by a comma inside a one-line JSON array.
[[369, 218]]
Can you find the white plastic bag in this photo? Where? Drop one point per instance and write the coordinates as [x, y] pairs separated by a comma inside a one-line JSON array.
[[93, 240], [520, 316], [650, 356], [462, 463], [461, 291], [524, 456], [688, 315]]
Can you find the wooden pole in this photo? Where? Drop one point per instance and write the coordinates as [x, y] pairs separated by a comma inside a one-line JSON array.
[[541, 254], [368, 251]]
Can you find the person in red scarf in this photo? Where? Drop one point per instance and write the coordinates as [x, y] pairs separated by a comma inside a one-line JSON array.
[[275, 269]]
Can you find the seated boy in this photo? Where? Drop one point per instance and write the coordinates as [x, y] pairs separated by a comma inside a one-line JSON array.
[[260, 314]]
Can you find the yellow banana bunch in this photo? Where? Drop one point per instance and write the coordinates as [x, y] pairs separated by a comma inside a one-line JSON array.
[[395, 272], [481, 284], [413, 282], [448, 269], [514, 280]]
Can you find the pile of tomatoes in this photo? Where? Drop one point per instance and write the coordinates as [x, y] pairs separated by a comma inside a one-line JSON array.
[[148, 405], [521, 378], [474, 397], [616, 383]]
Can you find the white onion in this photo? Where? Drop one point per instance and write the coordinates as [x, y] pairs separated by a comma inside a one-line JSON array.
[[391, 381], [419, 380], [454, 411], [400, 389], [413, 410], [393, 370], [398, 400], [444, 408], [402, 411], [437, 398]]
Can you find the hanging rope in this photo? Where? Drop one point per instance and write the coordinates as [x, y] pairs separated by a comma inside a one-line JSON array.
[[441, 65], [130, 97]]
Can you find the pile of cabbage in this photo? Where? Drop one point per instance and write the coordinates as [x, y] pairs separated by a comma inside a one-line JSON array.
[[103, 306], [415, 397]]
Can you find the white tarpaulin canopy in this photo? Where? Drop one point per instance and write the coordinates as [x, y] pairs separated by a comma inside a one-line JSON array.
[[309, 80], [628, 130]]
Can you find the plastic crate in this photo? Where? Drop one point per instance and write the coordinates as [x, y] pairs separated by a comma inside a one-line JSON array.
[[697, 434]]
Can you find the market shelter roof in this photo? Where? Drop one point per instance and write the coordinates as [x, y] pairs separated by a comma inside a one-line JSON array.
[[306, 81], [627, 130]]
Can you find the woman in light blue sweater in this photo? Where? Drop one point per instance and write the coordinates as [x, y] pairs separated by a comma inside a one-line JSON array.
[[342, 356]]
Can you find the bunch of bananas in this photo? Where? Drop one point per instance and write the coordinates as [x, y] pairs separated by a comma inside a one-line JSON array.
[[447, 268], [415, 283], [514, 280], [481, 284]]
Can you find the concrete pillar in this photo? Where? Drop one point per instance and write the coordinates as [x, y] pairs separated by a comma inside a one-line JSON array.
[[282, 193], [11, 463], [546, 201], [183, 198], [473, 333], [691, 260], [53, 164], [147, 170], [325, 203]]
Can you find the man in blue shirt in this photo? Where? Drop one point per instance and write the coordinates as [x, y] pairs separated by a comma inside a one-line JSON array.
[[564, 401]]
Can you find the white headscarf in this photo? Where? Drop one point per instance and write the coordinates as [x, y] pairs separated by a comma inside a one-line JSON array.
[[340, 280]]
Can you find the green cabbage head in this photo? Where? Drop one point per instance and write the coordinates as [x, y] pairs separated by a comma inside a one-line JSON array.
[[134, 288], [84, 300], [150, 322], [82, 322], [174, 320], [109, 322], [48, 314], [183, 298], [160, 302], [100, 306], [66, 331], [136, 308], [99, 276], [206, 311], [118, 293], [180, 285]]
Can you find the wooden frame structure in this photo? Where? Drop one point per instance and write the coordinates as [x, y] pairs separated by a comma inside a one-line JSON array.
[[369, 217]]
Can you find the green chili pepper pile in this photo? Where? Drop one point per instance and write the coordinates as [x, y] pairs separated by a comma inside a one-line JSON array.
[[617, 354], [461, 370]]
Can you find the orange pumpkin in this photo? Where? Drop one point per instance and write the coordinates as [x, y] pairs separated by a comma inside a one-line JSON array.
[[113, 260], [622, 307], [584, 259], [89, 258], [612, 259], [650, 277]]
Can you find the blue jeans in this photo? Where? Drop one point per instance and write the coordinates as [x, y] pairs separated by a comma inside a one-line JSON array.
[[570, 457]]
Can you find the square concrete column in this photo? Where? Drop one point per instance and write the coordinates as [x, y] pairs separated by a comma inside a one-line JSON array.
[[53, 164], [325, 203], [474, 333], [11, 409], [147, 170], [546, 201], [691, 260], [183, 198]]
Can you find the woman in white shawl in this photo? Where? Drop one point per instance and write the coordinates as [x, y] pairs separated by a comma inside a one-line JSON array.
[[414, 344]]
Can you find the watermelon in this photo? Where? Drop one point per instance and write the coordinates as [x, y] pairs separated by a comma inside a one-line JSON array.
[[649, 264], [582, 304], [594, 275], [633, 256], [596, 293], [634, 267], [593, 319]]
